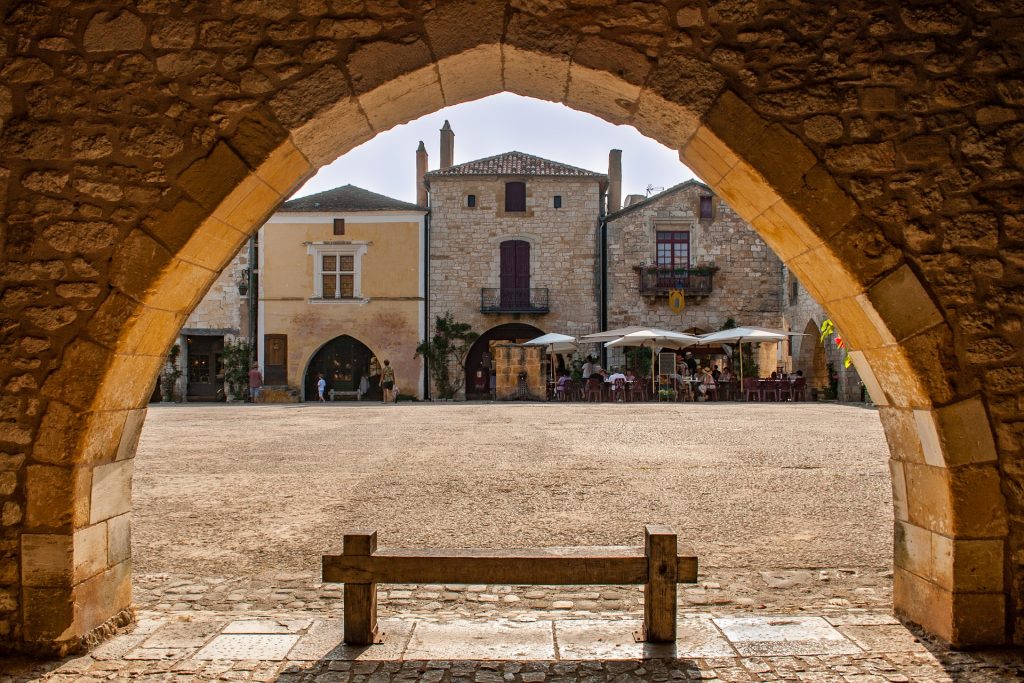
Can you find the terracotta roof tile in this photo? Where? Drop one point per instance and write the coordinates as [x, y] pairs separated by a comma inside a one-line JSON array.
[[515, 163]]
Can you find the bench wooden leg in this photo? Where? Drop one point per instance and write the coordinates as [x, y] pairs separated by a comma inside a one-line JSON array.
[[360, 607], [660, 590]]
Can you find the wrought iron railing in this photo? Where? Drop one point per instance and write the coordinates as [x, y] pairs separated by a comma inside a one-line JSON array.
[[499, 300], [658, 281]]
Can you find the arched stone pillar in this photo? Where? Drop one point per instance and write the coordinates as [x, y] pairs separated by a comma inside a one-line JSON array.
[[874, 148]]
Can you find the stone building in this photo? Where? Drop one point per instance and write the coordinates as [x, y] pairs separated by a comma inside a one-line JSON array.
[[223, 315], [341, 289], [687, 238], [514, 246]]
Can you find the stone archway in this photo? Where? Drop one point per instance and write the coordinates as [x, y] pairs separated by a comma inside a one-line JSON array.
[[811, 357], [142, 144]]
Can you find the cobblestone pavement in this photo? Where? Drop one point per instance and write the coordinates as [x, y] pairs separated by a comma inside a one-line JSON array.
[[846, 645]]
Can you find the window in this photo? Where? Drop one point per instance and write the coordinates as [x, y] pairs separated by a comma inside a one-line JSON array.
[[515, 196], [338, 276], [558, 201], [673, 249], [336, 269], [706, 207], [339, 226], [794, 290], [471, 201]]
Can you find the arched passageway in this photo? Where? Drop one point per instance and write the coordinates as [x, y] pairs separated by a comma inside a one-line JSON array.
[[479, 365], [811, 357], [343, 362], [875, 148]]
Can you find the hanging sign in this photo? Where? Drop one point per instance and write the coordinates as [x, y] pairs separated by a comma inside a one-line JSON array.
[[676, 300]]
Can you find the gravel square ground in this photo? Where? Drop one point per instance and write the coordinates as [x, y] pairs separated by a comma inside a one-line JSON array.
[[257, 490]]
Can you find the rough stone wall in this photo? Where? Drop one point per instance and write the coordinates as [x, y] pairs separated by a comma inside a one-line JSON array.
[[510, 361], [745, 287], [797, 312], [223, 308], [465, 250], [875, 146]]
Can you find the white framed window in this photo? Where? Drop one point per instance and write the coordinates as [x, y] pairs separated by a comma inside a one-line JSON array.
[[337, 267]]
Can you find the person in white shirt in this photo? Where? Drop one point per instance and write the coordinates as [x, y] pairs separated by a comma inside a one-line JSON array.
[[588, 368]]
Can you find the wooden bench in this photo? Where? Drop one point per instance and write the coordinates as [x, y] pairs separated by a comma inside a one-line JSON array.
[[333, 392], [659, 566]]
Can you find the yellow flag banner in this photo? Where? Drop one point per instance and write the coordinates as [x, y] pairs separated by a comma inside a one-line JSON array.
[[676, 300]]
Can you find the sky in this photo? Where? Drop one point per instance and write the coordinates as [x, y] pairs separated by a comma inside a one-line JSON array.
[[502, 123]]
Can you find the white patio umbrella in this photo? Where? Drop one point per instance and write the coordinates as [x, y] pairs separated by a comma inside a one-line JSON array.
[[610, 335], [655, 338], [747, 334], [554, 343]]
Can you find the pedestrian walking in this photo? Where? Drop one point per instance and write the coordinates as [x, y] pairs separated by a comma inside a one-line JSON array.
[[387, 380], [321, 386]]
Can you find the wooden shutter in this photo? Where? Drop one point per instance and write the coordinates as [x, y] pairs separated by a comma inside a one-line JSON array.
[[515, 274], [339, 226], [275, 359], [515, 196]]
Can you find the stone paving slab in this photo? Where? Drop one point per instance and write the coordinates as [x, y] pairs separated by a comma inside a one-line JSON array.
[[592, 639], [498, 639], [249, 646], [785, 635]]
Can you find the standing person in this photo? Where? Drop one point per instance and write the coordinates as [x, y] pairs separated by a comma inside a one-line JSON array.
[[387, 380], [588, 367], [321, 386], [691, 364], [255, 383]]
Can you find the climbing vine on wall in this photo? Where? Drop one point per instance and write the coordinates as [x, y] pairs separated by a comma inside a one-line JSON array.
[[828, 330]]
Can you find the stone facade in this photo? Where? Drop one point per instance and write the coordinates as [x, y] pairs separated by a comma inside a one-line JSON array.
[[564, 243], [746, 282], [875, 147]]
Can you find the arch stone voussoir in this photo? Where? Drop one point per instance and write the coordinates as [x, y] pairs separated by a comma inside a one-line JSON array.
[[891, 192]]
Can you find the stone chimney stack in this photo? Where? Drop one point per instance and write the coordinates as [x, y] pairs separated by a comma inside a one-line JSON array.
[[614, 180], [421, 170], [447, 146]]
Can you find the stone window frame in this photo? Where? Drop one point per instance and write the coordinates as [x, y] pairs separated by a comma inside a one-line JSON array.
[[557, 202], [494, 273], [714, 208], [471, 202], [500, 208], [674, 224], [339, 248]]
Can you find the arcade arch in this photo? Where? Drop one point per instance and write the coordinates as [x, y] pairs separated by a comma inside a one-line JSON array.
[[807, 165]]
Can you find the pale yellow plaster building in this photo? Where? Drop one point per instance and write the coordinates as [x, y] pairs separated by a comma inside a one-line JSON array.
[[341, 289]]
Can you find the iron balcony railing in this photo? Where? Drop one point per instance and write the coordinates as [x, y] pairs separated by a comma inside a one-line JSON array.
[[499, 300], [657, 281]]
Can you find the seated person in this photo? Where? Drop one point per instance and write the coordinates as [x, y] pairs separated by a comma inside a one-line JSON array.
[[563, 384], [630, 377], [726, 375]]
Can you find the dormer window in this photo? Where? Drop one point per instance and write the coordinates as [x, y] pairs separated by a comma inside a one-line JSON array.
[[515, 197]]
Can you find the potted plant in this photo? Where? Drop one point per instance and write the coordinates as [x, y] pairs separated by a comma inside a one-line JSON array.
[[169, 377]]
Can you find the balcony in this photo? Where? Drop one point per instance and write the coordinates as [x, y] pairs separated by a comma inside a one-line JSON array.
[[656, 281], [496, 300]]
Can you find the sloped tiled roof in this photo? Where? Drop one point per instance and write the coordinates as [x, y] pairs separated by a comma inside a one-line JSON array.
[[693, 182], [348, 198], [515, 163]]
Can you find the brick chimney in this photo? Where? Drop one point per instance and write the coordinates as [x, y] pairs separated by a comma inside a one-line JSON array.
[[447, 145], [614, 180], [421, 170]]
